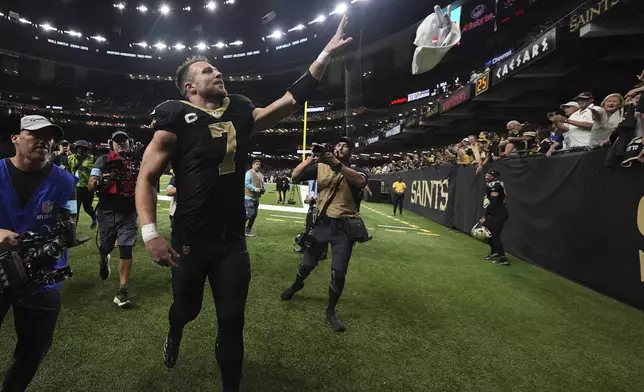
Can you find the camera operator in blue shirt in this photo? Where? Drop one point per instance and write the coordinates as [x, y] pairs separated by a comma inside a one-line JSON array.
[[32, 192]]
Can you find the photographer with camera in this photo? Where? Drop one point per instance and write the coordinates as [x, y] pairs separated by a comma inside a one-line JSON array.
[[114, 177], [80, 164], [338, 222], [33, 194]]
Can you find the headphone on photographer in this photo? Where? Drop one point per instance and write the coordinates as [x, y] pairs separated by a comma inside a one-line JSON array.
[[119, 131]]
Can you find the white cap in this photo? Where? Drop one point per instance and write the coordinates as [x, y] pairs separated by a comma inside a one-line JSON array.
[[35, 123], [571, 103], [513, 122]]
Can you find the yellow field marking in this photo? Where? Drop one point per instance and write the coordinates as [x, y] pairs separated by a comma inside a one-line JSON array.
[[275, 220], [302, 222], [395, 231], [430, 234]]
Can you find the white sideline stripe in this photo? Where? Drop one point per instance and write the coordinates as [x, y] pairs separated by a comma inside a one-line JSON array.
[[297, 210], [397, 227]]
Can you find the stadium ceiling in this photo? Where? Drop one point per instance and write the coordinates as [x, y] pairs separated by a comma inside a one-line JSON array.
[[212, 27]]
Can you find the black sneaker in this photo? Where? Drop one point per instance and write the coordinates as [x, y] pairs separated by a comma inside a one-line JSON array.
[[250, 233], [171, 351], [122, 298], [288, 294], [502, 261], [491, 256], [104, 269], [334, 321]]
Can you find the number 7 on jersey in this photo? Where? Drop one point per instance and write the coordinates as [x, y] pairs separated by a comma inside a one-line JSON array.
[[217, 130]]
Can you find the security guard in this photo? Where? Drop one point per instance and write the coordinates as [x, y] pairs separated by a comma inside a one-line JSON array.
[[399, 194], [80, 164], [339, 189], [495, 216]]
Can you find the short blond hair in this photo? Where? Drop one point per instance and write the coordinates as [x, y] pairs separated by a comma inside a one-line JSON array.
[[183, 75]]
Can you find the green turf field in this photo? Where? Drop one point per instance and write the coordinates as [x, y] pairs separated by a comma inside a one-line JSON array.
[[270, 197], [424, 312]]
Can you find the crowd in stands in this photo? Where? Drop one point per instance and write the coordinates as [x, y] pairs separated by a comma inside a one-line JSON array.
[[580, 125]]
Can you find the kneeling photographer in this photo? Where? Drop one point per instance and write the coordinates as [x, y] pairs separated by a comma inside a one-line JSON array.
[[338, 222], [34, 195], [114, 177]]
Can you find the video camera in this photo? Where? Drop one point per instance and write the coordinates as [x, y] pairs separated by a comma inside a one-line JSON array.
[[31, 264], [319, 149]]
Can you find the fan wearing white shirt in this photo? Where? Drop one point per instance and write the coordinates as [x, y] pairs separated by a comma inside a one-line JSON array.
[[607, 117], [577, 127]]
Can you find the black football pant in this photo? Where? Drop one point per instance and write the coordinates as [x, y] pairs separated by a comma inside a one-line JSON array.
[[495, 222], [328, 231], [227, 268], [85, 198], [35, 318], [398, 202]]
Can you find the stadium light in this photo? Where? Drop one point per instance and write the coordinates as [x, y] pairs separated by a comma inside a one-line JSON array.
[[142, 8], [201, 46], [142, 44], [47, 27], [220, 45], [164, 9], [187, 8], [160, 45], [99, 38], [319, 19], [297, 28], [74, 33], [355, 1], [120, 6], [230, 2], [236, 43], [211, 5], [23, 20], [339, 9], [277, 34], [179, 46]]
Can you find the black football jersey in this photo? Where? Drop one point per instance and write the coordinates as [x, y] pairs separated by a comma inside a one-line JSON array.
[[209, 165], [492, 203]]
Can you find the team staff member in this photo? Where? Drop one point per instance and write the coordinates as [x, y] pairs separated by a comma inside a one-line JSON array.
[[253, 190], [116, 211], [30, 189], [339, 189], [399, 194], [207, 138], [495, 216], [80, 164]]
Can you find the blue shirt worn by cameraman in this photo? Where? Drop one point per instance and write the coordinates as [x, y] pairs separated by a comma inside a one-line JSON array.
[[55, 191]]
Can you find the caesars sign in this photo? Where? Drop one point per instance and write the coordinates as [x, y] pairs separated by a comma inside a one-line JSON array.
[[433, 194]]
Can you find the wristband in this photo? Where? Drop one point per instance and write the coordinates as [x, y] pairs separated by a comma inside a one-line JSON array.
[[149, 232], [324, 58]]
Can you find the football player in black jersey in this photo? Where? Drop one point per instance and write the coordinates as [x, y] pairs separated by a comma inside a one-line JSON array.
[[495, 216], [206, 136]]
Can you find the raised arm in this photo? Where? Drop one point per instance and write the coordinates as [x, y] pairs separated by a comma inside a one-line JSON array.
[[302, 89]]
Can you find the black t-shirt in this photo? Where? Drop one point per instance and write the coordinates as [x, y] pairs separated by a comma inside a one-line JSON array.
[[209, 165], [118, 202], [26, 184], [494, 203], [282, 184]]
